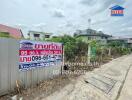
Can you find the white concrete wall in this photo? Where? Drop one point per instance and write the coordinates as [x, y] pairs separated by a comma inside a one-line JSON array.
[[42, 37], [31, 36], [9, 68]]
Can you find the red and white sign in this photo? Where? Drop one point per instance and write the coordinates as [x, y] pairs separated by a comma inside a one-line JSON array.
[[39, 54]]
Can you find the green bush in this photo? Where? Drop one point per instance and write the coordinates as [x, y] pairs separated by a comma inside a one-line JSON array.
[[4, 34]]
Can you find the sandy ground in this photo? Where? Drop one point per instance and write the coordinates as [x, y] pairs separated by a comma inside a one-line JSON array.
[[46, 88]]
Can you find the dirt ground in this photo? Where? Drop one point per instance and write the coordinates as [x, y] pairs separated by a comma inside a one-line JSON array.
[[46, 88]]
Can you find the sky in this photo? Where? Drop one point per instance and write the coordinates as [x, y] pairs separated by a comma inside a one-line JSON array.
[[66, 16]]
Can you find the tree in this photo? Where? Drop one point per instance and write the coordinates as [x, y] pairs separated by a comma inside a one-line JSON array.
[[73, 47], [115, 44], [118, 48], [54, 39], [69, 45]]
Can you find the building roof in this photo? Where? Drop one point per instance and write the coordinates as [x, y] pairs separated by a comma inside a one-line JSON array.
[[90, 32], [14, 32], [120, 38], [128, 40], [117, 7]]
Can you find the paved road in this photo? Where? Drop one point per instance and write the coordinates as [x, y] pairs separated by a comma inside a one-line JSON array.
[[110, 82], [126, 93]]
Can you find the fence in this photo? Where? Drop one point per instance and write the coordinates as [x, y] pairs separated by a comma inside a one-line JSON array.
[[9, 68]]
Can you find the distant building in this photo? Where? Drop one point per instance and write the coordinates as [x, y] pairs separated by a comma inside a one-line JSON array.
[[34, 35], [12, 32], [90, 34], [129, 42], [126, 42]]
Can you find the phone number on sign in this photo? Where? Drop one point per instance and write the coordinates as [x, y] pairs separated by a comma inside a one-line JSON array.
[[33, 58], [40, 58]]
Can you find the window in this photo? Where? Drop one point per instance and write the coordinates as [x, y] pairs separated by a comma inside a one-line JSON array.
[[47, 36], [36, 35]]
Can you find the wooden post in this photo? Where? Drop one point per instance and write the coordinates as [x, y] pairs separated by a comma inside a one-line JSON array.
[[63, 59]]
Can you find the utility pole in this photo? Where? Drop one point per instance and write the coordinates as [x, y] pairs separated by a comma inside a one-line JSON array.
[[89, 53], [89, 47], [89, 23]]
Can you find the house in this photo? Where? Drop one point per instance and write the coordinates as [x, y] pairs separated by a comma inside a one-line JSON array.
[[126, 42], [117, 11], [35, 35], [12, 32], [90, 34], [129, 42]]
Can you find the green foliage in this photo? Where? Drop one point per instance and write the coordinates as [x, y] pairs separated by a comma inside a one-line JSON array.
[[115, 44], [72, 46], [55, 39], [77, 48], [118, 48], [4, 34], [93, 43], [95, 49], [67, 38], [81, 47]]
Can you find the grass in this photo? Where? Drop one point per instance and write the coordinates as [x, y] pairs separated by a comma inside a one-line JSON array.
[[4, 34]]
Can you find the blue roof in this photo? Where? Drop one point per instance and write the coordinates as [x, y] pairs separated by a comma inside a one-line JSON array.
[[117, 8]]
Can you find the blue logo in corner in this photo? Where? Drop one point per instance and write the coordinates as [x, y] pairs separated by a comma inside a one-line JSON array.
[[117, 11], [26, 45]]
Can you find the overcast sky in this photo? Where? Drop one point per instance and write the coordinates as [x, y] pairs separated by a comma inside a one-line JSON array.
[[66, 16]]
